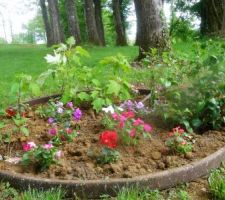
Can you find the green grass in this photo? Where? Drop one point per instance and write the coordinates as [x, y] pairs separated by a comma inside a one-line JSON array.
[[29, 59]]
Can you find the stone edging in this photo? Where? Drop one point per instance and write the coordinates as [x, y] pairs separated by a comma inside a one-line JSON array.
[[95, 188]]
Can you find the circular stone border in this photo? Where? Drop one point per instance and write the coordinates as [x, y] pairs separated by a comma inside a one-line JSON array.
[[96, 188]]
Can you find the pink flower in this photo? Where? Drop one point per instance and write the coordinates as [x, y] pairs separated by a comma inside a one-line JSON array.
[[58, 154], [128, 114], [69, 105], [69, 130], [178, 129], [51, 120], [47, 146], [28, 146], [53, 131], [184, 142], [138, 122], [121, 124], [132, 133], [115, 116], [147, 128]]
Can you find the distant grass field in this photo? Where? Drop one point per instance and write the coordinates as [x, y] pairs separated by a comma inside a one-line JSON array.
[[29, 59]]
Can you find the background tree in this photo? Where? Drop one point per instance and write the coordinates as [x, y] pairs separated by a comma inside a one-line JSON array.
[[46, 23], [212, 14], [93, 36], [151, 28], [119, 23], [74, 29], [57, 31], [99, 21]]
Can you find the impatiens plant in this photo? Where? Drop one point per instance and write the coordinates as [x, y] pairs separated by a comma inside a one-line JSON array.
[[59, 136], [130, 129], [179, 141], [108, 139], [40, 156]]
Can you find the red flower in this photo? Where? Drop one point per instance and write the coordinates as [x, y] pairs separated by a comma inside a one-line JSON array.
[[109, 139], [11, 112], [128, 114], [178, 129], [170, 134]]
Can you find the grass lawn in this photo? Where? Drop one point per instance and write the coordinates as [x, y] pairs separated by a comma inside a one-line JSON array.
[[29, 59]]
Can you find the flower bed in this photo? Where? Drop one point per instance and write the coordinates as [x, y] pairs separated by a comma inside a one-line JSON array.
[[82, 160]]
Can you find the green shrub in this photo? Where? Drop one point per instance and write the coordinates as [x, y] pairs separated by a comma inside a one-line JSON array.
[[217, 183]]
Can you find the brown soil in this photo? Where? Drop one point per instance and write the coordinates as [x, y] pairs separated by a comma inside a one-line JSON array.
[[147, 157]]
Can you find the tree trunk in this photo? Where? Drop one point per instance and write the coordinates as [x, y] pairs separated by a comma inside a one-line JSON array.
[[119, 25], [57, 31], [93, 36], [151, 33], [213, 17], [74, 29], [46, 23], [99, 22]]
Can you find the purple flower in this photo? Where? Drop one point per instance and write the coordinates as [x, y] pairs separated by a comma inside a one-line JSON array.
[[53, 131], [139, 105], [129, 104], [47, 146], [69, 104], [51, 120], [77, 114]]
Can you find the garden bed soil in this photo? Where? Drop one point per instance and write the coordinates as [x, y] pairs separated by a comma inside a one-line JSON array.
[[147, 157]]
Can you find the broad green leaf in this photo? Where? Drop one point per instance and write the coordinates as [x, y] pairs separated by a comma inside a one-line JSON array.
[[98, 104], [83, 96], [113, 87]]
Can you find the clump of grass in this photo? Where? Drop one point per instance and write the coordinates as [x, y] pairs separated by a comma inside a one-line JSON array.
[[217, 183], [53, 194], [136, 193], [7, 192]]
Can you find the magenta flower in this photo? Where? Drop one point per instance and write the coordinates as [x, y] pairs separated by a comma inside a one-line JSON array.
[[51, 120], [115, 116], [53, 131], [69, 105], [138, 122], [147, 128], [77, 114], [28, 146], [47, 146], [132, 133]]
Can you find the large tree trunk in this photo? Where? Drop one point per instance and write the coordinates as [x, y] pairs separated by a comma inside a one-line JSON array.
[[119, 25], [151, 33], [213, 17], [99, 22], [57, 31], [46, 23], [93, 36], [74, 29]]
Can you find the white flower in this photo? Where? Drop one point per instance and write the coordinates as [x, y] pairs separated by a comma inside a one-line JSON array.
[[108, 109], [59, 104], [120, 109], [14, 160], [56, 59], [32, 144], [60, 110], [58, 154]]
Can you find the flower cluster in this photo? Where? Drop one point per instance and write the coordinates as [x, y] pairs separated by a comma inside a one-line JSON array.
[[66, 134], [137, 107], [64, 114], [129, 127], [179, 141], [41, 156], [109, 139]]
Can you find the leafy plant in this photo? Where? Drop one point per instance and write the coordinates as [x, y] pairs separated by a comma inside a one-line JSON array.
[[40, 156], [7, 192], [217, 183], [21, 125], [179, 141]]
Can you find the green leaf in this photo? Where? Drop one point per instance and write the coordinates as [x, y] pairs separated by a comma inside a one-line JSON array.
[[35, 89], [113, 87], [25, 131], [98, 104], [70, 41], [83, 96], [81, 51]]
